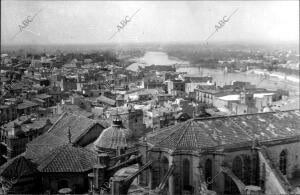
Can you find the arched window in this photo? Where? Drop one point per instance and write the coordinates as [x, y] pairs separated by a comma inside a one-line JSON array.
[[247, 169], [237, 167], [186, 173], [165, 167], [283, 162], [208, 173]]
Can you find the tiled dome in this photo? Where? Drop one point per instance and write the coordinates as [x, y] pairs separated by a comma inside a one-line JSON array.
[[113, 137]]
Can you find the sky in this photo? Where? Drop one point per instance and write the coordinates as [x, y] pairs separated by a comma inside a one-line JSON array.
[[94, 22]]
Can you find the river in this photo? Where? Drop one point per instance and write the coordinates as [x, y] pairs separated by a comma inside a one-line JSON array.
[[271, 83], [156, 58]]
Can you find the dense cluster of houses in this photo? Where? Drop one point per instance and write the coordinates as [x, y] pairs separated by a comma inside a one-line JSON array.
[[71, 125]]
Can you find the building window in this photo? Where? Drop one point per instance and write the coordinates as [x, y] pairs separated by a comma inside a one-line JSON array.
[[237, 167], [186, 174], [208, 173], [247, 169], [283, 162]]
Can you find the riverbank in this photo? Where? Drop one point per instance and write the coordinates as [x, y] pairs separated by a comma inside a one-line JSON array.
[[257, 77], [277, 75]]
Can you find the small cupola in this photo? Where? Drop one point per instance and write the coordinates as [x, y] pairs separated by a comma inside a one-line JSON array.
[[116, 121]]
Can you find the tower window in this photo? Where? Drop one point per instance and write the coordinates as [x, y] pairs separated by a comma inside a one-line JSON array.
[[208, 172], [283, 162], [186, 173]]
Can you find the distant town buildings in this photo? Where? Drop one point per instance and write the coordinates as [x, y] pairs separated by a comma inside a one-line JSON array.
[[83, 123]]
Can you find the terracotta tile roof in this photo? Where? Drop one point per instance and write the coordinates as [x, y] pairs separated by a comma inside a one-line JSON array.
[[27, 124], [197, 134], [76, 110], [57, 135], [77, 124], [68, 158], [16, 168], [40, 146]]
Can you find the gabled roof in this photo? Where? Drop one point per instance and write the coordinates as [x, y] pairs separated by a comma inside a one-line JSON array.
[[106, 100], [78, 125], [16, 168], [57, 135], [76, 110], [197, 134], [68, 158], [40, 146], [28, 122]]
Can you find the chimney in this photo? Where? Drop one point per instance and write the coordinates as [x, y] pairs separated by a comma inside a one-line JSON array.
[[48, 122], [15, 130]]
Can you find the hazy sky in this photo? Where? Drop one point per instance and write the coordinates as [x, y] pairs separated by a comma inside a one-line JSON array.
[[63, 22]]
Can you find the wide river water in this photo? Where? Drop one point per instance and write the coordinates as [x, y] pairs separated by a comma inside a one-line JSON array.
[[161, 58]]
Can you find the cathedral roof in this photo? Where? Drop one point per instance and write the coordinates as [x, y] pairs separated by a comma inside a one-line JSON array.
[[68, 158], [16, 168], [113, 137], [198, 134], [57, 135]]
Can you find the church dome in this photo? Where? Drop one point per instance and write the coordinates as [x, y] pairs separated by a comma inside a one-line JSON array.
[[113, 137]]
